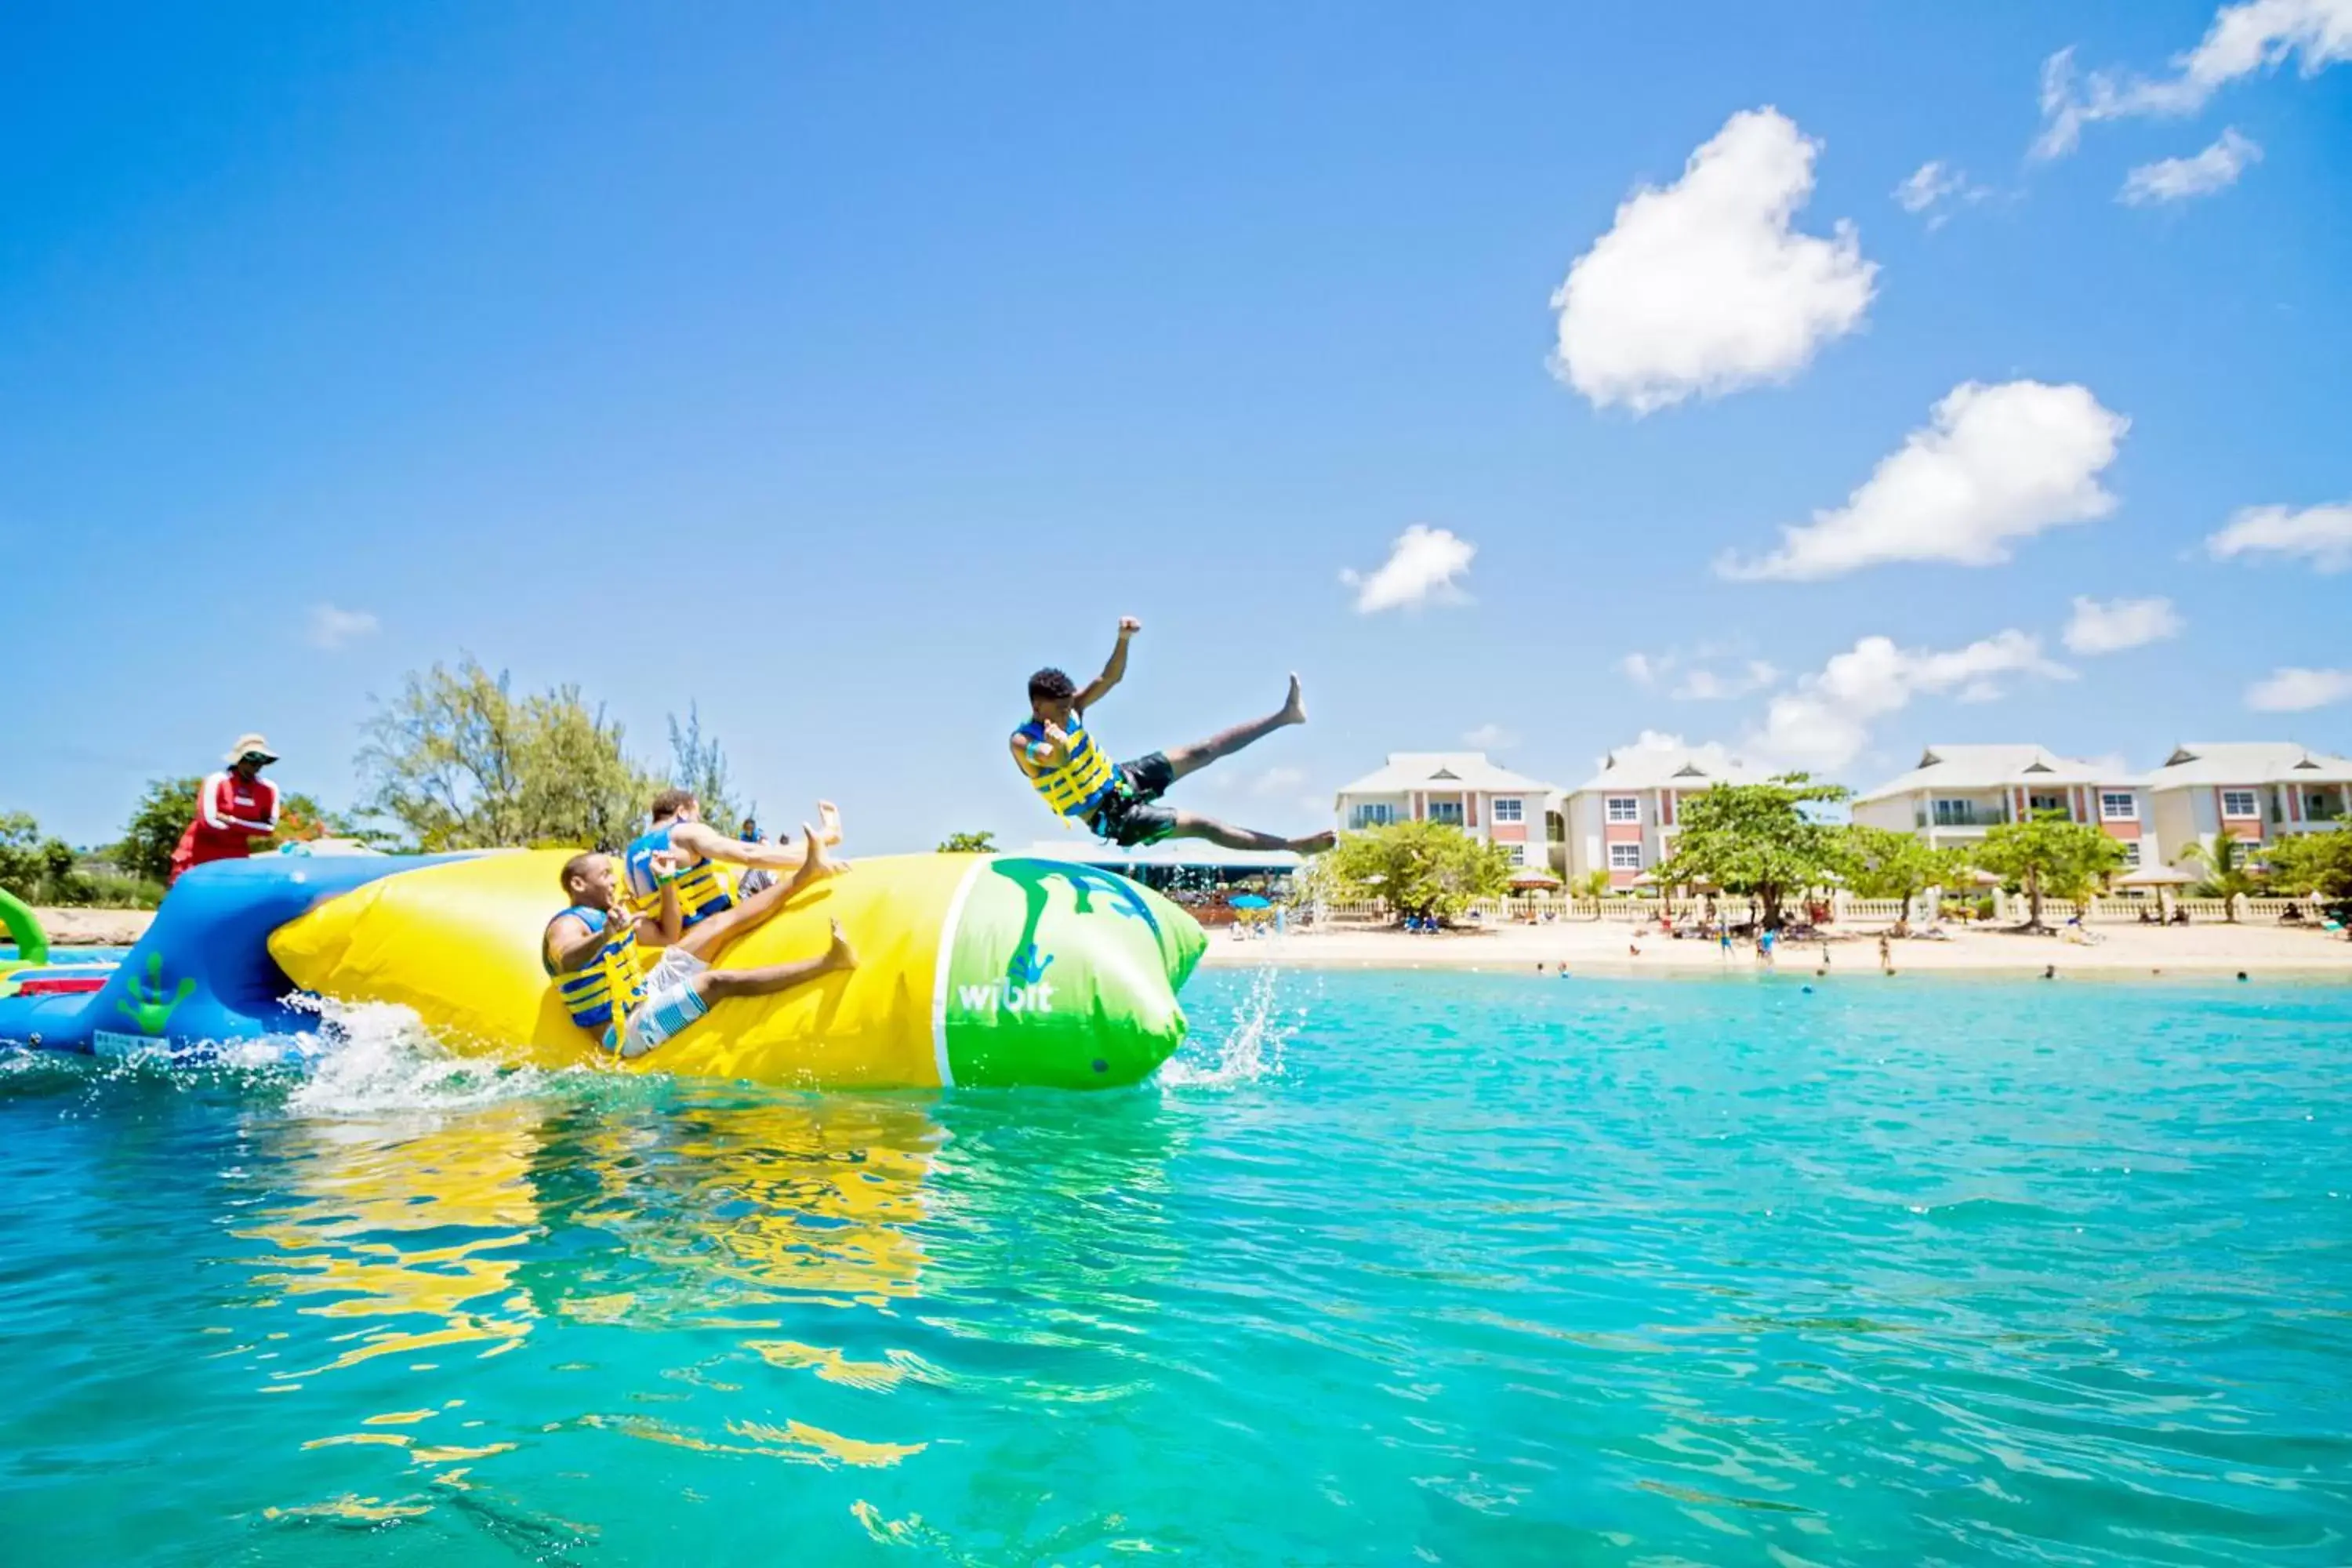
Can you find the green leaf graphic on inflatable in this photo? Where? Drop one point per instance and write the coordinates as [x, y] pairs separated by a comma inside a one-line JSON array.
[[148, 1010]]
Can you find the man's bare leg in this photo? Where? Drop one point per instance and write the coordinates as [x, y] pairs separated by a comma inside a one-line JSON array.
[[1189, 826], [1192, 759], [708, 936], [718, 984]]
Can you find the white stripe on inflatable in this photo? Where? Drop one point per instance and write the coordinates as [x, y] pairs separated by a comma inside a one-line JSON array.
[[939, 984]]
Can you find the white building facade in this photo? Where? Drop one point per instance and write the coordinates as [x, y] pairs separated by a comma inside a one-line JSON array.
[[1487, 801], [1623, 819], [1956, 794], [2257, 791]]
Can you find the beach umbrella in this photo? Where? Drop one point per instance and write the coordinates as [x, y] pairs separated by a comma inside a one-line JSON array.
[[2161, 877], [1252, 902]]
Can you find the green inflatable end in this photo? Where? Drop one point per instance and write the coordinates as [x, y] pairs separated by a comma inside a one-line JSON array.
[[1064, 976], [24, 929]]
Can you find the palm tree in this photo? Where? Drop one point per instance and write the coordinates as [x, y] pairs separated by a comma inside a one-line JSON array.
[[1593, 885], [2231, 874]]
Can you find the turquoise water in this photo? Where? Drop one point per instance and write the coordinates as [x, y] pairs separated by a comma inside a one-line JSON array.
[[1469, 1270]]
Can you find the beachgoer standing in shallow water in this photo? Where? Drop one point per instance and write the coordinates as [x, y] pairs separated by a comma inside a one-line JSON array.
[[1886, 955]]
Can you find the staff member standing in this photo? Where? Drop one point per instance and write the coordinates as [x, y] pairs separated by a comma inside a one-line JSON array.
[[233, 808]]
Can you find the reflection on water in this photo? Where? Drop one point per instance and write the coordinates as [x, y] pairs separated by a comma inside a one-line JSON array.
[[406, 1234], [1454, 1269], [778, 1238]]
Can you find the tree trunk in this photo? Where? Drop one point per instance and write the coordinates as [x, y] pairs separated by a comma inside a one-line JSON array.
[[2033, 901]]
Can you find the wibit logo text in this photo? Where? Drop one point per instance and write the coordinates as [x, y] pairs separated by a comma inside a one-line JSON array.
[[1004, 996]]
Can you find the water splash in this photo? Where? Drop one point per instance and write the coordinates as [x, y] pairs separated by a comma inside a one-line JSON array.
[[367, 1057], [1251, 1045]]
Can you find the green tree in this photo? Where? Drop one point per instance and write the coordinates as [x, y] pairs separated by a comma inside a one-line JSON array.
[[2049, 857], [1758, 841], [36, 869], [2317, 863], [164, 812], [460, 763], [1887, 863], [698, 763], [969, 843], [2230, 872], [1429, 869], [1593, 884]]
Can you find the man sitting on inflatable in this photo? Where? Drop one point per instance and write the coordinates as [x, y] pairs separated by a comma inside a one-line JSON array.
[[1121, 802], [591, 950], [704, 889]]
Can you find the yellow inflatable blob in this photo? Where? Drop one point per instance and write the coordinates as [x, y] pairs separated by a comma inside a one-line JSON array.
[[971, 970]]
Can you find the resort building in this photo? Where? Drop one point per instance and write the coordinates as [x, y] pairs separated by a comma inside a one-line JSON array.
[[1956, 793], [1487, 801], [2256, 791], [1622, 820]]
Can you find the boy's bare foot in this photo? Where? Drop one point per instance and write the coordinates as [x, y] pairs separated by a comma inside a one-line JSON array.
[[828, 820], [840, 956], [818, 864], [1314, 843], [1294, 707]]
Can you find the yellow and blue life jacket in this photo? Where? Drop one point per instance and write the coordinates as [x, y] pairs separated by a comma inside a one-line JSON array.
[[606, 992], [1084, 778], [703, 889]]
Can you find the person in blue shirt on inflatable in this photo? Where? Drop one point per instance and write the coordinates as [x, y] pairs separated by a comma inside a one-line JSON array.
[[704, 889], [1121, 802]]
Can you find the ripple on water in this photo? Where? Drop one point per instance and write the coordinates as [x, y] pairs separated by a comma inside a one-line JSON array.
[[1466, 1268]]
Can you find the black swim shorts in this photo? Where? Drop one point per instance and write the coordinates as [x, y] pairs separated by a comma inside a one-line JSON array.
[[1130, 814]]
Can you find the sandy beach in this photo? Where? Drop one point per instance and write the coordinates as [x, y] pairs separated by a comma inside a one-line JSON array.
[[1614, 948]]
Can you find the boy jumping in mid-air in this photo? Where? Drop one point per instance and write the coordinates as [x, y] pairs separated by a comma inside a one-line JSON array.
[[591, 950], [1121, 802]]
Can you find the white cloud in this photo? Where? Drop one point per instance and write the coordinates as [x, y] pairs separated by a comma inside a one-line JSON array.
[[2257, 35], [2177, 179], [1701, 685], [1278, 781], [330, 627], [1703, 288], [1825, 722], [1490, 738], [1933, 186], [2292, 690], [1421, 566], [1992, 465], [1699, 682], [2323, 534], [2120, 624]]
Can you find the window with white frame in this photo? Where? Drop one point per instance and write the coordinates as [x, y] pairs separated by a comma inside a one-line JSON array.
[[1519, 853], [2118, 806], [1624, 808], [1370, 814], [2237, 803], [1446, 811], [1508, 808], [2131, 854], [1624, 857]]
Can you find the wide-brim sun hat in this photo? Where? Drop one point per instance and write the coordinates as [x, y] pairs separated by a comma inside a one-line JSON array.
[[251, 745]]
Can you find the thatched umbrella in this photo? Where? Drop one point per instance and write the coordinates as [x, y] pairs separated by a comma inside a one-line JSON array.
[[2161, 877]]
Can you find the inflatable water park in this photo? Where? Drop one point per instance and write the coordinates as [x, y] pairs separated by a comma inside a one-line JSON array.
[[973, 970]]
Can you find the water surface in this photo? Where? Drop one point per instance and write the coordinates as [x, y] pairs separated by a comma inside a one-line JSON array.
[[1390, 1269]]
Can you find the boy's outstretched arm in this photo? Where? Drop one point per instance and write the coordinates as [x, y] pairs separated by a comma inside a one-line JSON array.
[[1114, 672]]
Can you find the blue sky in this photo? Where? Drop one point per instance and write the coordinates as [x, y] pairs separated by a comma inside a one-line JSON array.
[[833, 367]]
